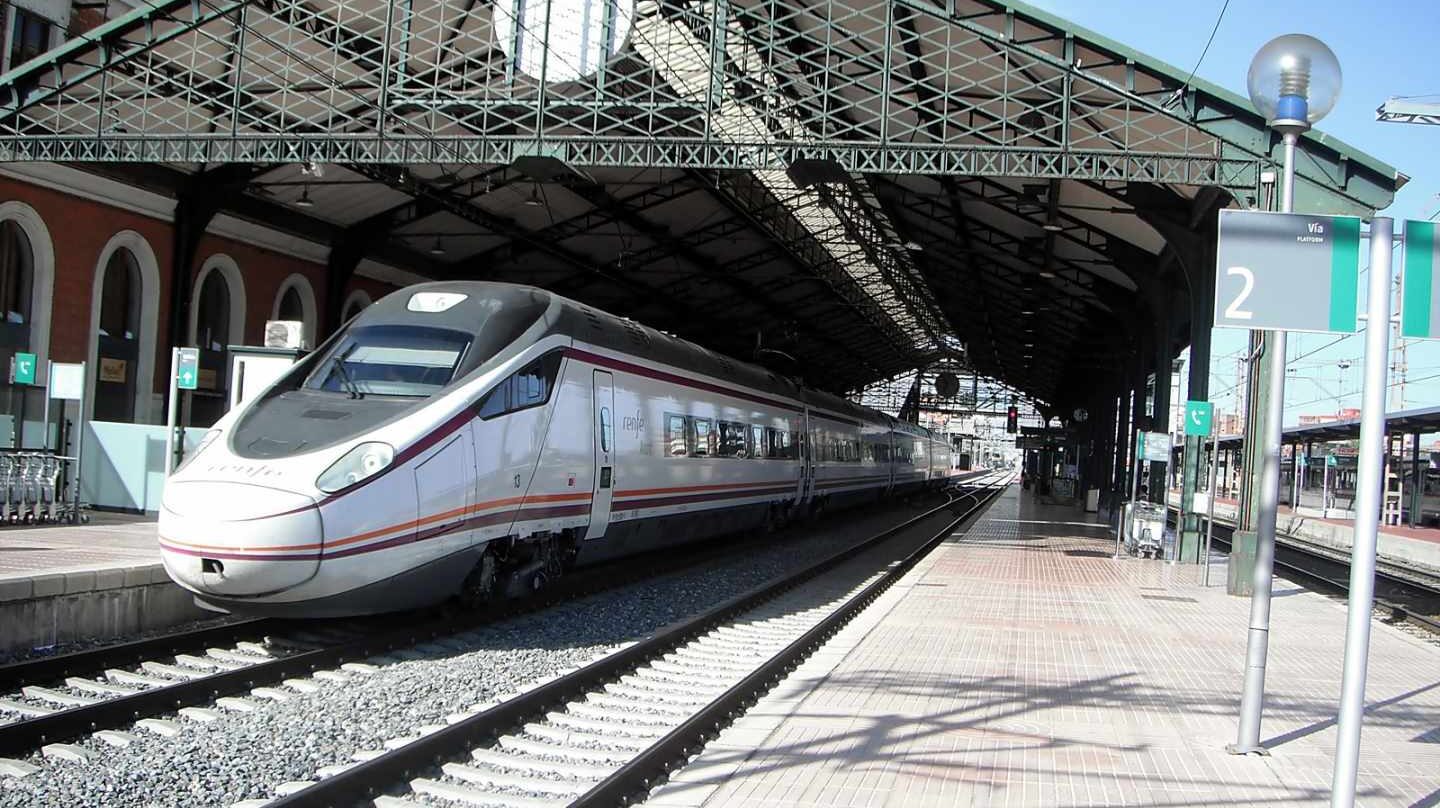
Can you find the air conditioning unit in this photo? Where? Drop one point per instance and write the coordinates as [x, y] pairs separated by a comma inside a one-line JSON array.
[[285, 334]]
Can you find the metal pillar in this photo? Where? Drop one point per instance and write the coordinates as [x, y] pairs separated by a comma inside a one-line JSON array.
[[1210, 507], [196, 203], [1200, 273], [192, 216], [345, 255], [1369, 487], [1252, 699], [1160, 409], [1121, 457], [1417, 483]]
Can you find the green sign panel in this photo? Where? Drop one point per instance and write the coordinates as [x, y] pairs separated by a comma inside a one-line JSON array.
[[1420, 301], [1287, 271], [1153, 446], [187, 369], [1198, 415], [25, 368], [1332, 461]]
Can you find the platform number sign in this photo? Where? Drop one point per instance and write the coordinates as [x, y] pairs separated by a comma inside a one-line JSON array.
[[187, 369], [1198, 415], [1420, 300], [23, 368], [1287, 272]]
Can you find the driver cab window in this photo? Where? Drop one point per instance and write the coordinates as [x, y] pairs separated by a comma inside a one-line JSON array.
[[530, 386]]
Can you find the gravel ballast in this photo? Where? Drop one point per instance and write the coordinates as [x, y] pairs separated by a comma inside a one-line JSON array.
[[244, 755]]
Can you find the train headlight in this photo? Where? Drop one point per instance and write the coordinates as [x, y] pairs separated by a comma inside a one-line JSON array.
[[363, 461], [205, 440]]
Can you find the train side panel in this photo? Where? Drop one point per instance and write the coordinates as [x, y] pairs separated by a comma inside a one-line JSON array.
[[687, 465]]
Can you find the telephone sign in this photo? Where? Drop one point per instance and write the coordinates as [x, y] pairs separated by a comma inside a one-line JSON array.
[[1197, 417], [24, 368]]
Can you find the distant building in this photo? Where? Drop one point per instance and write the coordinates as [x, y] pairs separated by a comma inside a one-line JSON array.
[[1228, 423], [1346, 414]]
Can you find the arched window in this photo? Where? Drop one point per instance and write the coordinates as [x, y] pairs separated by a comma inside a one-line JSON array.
[[118, 340], [218, 315], [120, 301], [17, 267], [27, 279], [357, 302], [295, 301], [212, 326], [291, 306]]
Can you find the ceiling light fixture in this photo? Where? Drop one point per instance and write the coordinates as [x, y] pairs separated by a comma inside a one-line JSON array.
[[1045, 273], [1051, 227], [304, 201], [535, 201], [438, 248]]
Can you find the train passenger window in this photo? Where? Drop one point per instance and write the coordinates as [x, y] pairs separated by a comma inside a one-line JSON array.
[[675, 437], [702, 430], [787, 444], [757, 441], [606, 428], [732, 440]]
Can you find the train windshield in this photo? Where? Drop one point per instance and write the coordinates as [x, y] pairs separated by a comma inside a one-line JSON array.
[[390, 360]]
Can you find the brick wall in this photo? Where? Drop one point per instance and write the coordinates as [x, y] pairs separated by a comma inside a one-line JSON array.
[[79, 230]]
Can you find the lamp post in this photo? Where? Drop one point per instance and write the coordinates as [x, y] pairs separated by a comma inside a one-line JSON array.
[[1294, 81]]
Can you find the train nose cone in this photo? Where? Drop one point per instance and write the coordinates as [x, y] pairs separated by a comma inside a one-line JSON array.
[[238, 539]]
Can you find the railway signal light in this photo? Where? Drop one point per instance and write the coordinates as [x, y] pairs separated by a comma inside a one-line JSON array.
[[1012, 419]]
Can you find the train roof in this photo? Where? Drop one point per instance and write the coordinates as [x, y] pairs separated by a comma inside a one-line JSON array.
[[620, 334]]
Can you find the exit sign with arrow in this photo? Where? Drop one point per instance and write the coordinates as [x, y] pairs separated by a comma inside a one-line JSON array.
[[187, 369]]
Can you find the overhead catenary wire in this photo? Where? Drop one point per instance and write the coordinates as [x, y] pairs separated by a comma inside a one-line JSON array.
[[1180, 93]]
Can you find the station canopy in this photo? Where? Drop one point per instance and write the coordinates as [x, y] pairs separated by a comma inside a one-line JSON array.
[[845, 190]]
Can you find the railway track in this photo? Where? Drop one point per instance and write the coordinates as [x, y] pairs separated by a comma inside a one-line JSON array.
[[114, 692], [607, 732], [1406, 594]]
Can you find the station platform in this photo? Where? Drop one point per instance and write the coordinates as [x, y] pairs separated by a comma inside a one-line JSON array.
[[65, 583], [1020, 665], [1401, 545]]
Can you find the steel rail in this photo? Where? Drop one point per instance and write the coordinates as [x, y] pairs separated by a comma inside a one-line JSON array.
[[41, 670], [366, 780], [20, 737], [1402, 613]]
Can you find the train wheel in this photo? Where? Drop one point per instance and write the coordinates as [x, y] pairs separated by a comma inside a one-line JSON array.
[[479, 586]]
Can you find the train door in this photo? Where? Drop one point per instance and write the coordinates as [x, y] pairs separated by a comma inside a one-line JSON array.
[[443, 485], [604, 477]]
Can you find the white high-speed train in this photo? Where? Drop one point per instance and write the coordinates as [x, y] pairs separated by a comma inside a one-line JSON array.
[[477, 439]]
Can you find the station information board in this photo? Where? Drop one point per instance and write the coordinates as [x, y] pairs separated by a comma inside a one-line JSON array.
[[1420, 299], [1287, 272]]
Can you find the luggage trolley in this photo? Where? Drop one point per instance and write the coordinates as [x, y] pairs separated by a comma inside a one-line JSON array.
[[32, 489], [1146, 529]]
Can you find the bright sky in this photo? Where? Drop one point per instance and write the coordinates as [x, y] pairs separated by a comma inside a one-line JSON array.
[[1386, 48]]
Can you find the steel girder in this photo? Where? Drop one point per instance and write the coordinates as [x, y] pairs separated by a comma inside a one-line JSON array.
[[743, 84]]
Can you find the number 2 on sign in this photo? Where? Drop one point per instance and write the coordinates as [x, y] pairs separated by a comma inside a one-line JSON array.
[[1247, 277]]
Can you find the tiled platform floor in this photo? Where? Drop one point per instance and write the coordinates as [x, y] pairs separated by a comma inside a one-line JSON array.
[[1021, 665], [108, 543]]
